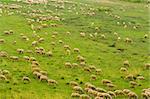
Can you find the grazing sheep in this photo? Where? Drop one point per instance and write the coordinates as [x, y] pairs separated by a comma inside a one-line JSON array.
[[60, 41], [73, 83], [43, 72], [103, 36], [146, 36], [101, 90], [75, 95], [119, 92], [82, 34], [32, 59], [133, 84], [111, 93], [98, 71], [126, 91], [129, 77], [84, 96], [122, 69], [3, 77], [68, 33], [3, 54], [2, 41], [87, 69], [68, 52], [110, 85], [89, 85], [26, 79], [53, 36], [36, 69], [41, 40], [126, 63], [7, 32], [20, 51], [107, 96], [82, 64], [43, 77], [132, 95], [49, 53], [35, 63], [140, 78], [147, 66], [106, 81], [37, 74], [5, 72], [78, 89], [68, 64], [145, 95], [67, 47], [16, 58], [92, 67], [34, 43], [118, 38], [75, 65], [93, 77], [80, 58], [128, 40], [52, 82], [76, 50]]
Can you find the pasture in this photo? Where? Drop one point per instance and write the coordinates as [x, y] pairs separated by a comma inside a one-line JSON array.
[[74, 49]]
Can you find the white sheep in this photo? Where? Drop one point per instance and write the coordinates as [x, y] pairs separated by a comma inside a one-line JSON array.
[[52, 82]]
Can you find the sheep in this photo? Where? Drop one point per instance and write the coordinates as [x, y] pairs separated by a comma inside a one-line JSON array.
[[103, 36], [93, 77], [111, 93], [35, 63], [2, 41], [37, 74], [145, 95], [20, 51], [82, 64], [34, 43], [146, 36], [41, 40], [26, 79], [118, 38], [67, 47], [52, 82], [78, 89], [68, 33], [101, 90], [133, 84], [5, 72], [36, 69], [106, 81], [122, 69], [80, 58], [87, 69], [126, 63], [116, 34], [128, 40], [118, 92], [3, 54], [14, 58], [107, 96], [3, 77], [110, 85], [43, 72], [129, 77], [6, 32], [49, 53], [140, 78], [98, 71], [32, 59], [84, 96], [75, 65], [75, 95], [89, 85], [147, 66], [68, 52], [92, 67], [126, 91], [60, 41], [43, 77], [68, 64], [82, 34], [73, 83], [132, 95], [76, 50]]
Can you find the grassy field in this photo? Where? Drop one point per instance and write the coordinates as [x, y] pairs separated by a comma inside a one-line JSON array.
[[95, 18]]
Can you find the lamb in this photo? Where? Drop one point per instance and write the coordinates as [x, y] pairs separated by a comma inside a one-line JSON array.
[[20, 51], [26, 79], [76, 50], [106, 81], [82, 34], [2, 41], [52, 82], [68, 64], [43, 77], [3, 77], [132, 95], [75, 95], [84, 96]]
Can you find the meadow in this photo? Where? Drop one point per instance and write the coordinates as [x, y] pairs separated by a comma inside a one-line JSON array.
[[76, 44]]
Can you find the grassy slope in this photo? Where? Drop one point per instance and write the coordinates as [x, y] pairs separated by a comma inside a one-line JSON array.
[[96, 52]]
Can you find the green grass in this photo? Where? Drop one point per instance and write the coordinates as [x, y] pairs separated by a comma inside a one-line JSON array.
[[97, 52]]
